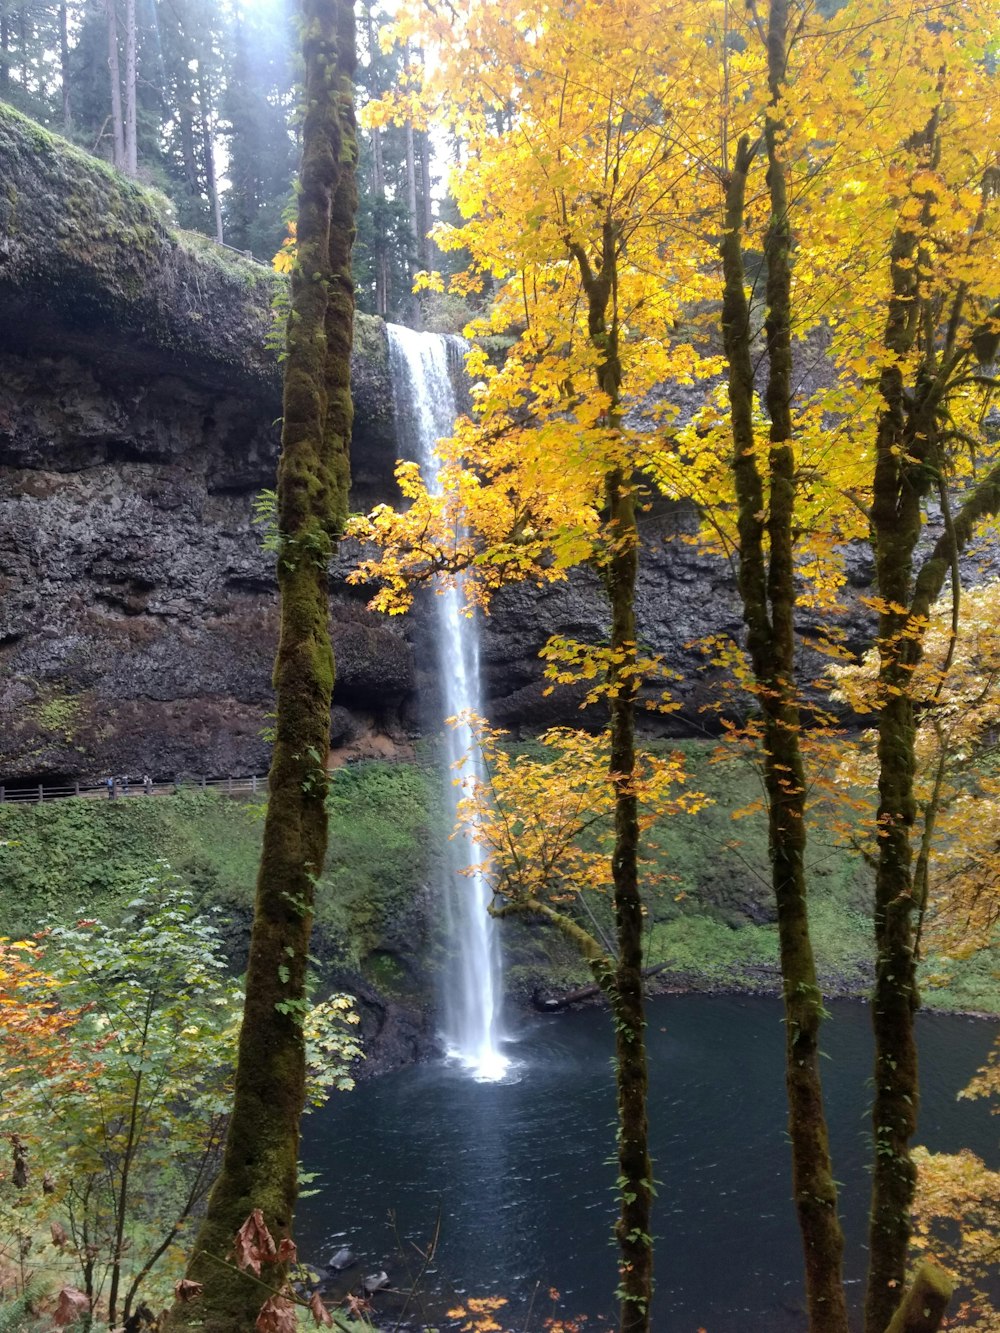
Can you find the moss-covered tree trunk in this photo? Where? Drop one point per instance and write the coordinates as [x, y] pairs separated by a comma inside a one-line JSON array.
[[909, 462], [260, 1165], [635, 1168], [619, 569], [767, 590]]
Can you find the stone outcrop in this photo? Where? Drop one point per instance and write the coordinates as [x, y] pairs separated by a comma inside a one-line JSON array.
[[138, 406]]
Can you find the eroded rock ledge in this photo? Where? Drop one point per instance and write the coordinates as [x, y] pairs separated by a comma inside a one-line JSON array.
[[138, 409]]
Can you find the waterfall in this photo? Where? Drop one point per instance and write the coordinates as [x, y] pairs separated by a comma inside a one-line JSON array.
[[426, 407]]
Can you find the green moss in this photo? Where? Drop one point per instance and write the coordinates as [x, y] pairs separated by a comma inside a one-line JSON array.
[[76, 227]]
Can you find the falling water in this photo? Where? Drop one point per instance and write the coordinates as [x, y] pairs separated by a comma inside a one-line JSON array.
[[426, 408]]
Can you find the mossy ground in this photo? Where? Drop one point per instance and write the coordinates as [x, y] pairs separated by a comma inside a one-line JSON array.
[[711, 913]]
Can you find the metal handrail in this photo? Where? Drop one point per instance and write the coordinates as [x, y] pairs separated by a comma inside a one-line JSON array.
[[254, 784]]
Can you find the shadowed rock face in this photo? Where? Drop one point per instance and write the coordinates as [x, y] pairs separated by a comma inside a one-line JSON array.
[[138, 421]]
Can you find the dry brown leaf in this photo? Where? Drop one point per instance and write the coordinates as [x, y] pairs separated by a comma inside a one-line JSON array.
[[254, 1244], [319, 1311], [277, 1315], [185, 1290]]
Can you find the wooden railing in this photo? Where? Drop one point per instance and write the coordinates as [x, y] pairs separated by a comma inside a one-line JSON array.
[[121, 790]]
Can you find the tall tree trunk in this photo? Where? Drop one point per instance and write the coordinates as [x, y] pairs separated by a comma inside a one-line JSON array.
[[767, 592], [426, 202], [378, 186], [114, 73], [904, 441], [411, 209], [23, 26], [4, 55], [260, 1164], [131, 80], [189, 155], [633, 1230], [208, 153], [64, 74], [634, 1226]]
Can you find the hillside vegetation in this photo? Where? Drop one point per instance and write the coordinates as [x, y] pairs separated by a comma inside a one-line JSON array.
[[712, 918]]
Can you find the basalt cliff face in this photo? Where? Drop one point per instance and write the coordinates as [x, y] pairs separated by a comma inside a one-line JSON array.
[[138, 412]]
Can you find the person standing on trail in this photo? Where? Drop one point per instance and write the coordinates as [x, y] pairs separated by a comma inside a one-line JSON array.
[[124, 784], [147, 785], [110, 784]]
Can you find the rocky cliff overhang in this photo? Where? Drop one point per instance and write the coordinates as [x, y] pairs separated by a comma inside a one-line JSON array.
[[138, 421], [89, 265]]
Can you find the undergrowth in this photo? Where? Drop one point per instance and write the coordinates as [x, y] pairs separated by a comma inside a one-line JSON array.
[[711, 914]]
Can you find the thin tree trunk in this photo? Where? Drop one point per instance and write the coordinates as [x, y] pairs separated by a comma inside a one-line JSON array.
[[634, 1227], [767, 592], [633, 1230], [131, 76], [426, 202], [208, 154], [114, 73], [67, 111], [4, 54], [121, 1200], [378, 187], [22, 32], [260, 1163], [411, 208]]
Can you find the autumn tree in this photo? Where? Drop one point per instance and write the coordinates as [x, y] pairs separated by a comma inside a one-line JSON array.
[[906, 268], [117, 1050], [545, 822], [621, 211], [260, 1164], [564, 206]]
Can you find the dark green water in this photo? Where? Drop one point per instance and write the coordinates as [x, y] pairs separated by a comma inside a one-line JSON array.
[[520, 1174]]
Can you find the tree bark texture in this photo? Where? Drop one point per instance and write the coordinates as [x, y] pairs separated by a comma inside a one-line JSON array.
[[131, 91], [114, 74], [925, 1304], [64, 72], [767, 591], [908, 463], [633, 1230], [261, 1157], [208, 154]]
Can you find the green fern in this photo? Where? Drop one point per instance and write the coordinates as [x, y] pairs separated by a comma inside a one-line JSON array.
[[18, 1316]]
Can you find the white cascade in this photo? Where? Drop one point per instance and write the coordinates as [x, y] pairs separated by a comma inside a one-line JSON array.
[[421, 366]]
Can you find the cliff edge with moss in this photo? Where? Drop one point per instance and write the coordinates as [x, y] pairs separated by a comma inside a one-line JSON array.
[[138, 407]]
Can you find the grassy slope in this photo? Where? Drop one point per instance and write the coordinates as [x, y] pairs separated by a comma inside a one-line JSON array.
[[86, 856]]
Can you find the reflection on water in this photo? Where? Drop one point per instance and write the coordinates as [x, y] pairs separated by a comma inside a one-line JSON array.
[[519, 1170]]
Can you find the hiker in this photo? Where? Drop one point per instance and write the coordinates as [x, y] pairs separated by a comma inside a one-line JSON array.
[[110, 784], [147, 785]]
